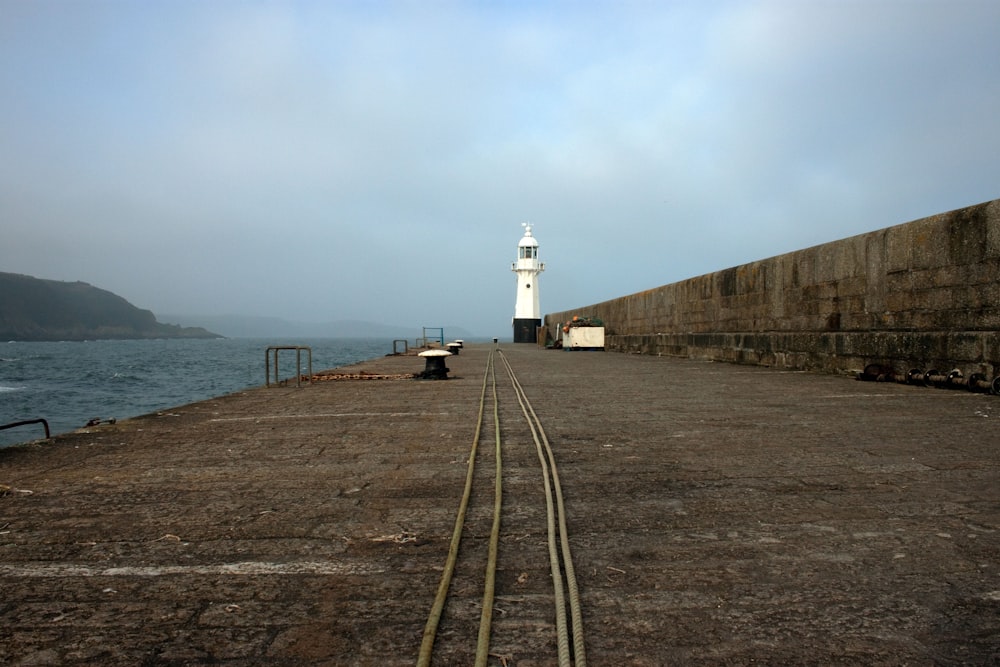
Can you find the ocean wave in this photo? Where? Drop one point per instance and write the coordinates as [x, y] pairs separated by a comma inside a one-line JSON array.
[[69, 383]]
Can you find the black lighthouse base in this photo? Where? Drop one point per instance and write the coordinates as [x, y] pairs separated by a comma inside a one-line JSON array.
[[526, 330]]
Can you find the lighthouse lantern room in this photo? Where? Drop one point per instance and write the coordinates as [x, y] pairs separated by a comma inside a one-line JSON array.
[[527, 313]]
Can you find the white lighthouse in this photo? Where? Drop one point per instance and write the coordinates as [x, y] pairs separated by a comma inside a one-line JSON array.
[[527, 313]]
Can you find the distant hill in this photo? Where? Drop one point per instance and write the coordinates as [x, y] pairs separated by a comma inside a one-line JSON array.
[[244, 326], [33, 309]]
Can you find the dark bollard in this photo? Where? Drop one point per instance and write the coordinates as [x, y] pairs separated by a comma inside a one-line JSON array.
[[453, 347], [434, 369]]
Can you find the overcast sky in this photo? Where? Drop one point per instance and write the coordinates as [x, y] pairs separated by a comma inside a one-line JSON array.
[[366, 160]]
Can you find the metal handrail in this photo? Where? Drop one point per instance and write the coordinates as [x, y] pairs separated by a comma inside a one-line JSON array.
[[440, 333], [298, 363], [29, 421]]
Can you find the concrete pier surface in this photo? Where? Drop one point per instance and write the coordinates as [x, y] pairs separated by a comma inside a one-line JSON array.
[[718, 515]]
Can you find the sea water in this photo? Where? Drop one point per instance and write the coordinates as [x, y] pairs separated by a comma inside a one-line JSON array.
[[70, 383]]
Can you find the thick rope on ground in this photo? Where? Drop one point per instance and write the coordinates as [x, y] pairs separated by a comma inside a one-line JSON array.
[[434, 619]]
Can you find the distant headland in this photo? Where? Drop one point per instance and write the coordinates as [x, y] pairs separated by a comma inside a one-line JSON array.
[[35, 309]]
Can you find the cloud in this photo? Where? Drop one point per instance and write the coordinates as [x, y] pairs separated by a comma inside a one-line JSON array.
[[375, 160]]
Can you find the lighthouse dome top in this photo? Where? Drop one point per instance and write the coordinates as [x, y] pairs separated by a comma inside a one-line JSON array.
[[527, 239]]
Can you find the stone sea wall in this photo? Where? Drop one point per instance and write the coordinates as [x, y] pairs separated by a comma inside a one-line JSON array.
[[924, 294]]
